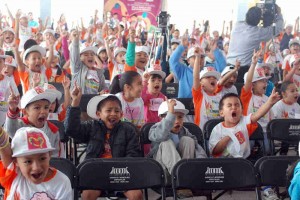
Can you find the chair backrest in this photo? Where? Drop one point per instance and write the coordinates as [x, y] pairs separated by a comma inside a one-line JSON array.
[[170, 90], [272, 169], [189, 104], [213, 174], [284, 130], [146, 143], [62, 134], [69, 169], [119, 174], [85, 100]]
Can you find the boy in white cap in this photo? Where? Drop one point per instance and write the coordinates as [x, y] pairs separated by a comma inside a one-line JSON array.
[[137, 57], [35, 104], [25, 171], [83, 67], [23, 31], [48, 35], [57, 74], [5, 83], [231, 73], [294, 47], [103, 134]]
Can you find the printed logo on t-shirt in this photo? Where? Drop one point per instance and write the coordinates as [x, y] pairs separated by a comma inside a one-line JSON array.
[[131, 113], [40, 196], [212, 109], [36, 140], [155, 103], [240, 136], [2, 94]]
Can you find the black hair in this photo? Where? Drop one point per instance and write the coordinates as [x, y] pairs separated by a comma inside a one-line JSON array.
[[221, 104], [29, 43], [119, 81], [109, 98], [284, 85], [156, 76], [253, 16], [56, 106]]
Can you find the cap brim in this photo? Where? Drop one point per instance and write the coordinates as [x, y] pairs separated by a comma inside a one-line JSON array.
[[261, 78], [184, 111], [94, 49], [45, 95], [211, 73], [93, 103], [161, 73], [3, 56], [34, 48], [32, 152], [57, 93]]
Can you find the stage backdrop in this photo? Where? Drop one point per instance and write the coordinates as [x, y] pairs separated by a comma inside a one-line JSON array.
[[146, 10]]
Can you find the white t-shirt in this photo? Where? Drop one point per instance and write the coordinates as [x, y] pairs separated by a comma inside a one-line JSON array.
[[232, 89], [92, 82], [5, 84], [133, 111], [118, 69], [281, 110], [57, 187], [239, 146]]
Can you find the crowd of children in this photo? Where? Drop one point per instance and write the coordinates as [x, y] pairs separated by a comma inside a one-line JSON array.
[[120, 64]]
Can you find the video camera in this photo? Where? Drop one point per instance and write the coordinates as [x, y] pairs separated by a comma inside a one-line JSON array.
[[163, 20], [268, 8]]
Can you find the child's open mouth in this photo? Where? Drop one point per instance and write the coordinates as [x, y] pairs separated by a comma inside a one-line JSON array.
[[91, 61], [177, 126], [156, 87], [213, 83], [123, 61], [37, 175], [41, 119], [233, 114], [113, 121]]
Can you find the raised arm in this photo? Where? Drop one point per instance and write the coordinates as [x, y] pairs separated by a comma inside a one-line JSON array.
[[274, 97], [249, 78], [197, 65]]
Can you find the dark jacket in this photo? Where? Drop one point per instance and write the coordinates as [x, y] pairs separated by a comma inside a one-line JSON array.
[[123, 138]]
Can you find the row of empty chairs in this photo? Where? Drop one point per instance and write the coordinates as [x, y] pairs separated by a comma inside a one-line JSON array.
[[208, 174]]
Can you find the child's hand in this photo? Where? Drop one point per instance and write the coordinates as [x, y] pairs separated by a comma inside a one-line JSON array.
[[171, 104], [146, 76], [255, 57], [75, 35], [66, 83], [237, 65], [13, 100], [198, 51], [132, 35], [18, 14], [76, 95], [274, 97]]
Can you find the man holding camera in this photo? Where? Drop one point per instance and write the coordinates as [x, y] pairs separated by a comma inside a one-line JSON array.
[[247, 36]]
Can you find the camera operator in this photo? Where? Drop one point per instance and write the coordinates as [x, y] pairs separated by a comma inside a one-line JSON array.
[[247, 36]]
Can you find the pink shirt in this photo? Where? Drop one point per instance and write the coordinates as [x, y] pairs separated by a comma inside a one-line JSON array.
[[151, 105]]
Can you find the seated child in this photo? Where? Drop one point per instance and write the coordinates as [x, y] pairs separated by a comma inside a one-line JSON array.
[[171, 141], [35, 104], [25, 171], [151, 93], [231, 137], [56, 74], [228, 86], [103, 134]]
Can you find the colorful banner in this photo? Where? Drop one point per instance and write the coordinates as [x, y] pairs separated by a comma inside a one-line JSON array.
[[146, 11]]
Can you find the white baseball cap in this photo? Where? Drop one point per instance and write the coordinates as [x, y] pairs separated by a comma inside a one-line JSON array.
[[119, 50], [227, 69], [156, 69], [34, 48], [142, 49], [209, 71], [93, 103], [191, 52], [84, 48], [29, 141], [294, 41], [258, 74], [35, 94], [9, 29], [163, 108], [9, 60], [102, 48], [51, 88], [48, 30], [55, 53]]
